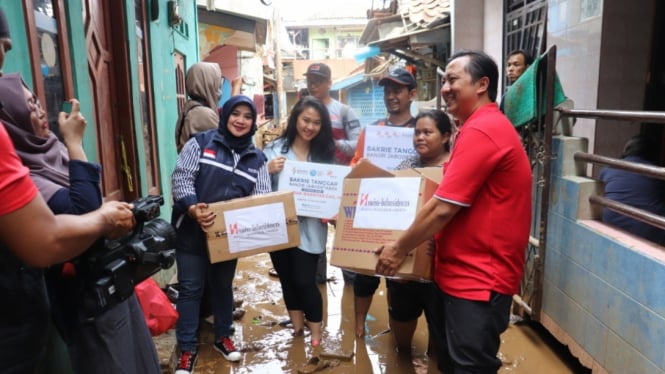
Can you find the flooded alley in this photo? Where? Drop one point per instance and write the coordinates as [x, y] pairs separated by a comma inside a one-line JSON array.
[[268, 347]]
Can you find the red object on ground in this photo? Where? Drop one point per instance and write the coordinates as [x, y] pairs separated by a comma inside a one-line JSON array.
[[159, 313]]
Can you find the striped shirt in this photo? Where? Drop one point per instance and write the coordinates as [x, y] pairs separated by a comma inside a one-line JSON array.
[[187, 169]]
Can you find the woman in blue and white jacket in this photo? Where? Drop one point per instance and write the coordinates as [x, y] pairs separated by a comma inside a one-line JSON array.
[[308, 137], [215, 165]]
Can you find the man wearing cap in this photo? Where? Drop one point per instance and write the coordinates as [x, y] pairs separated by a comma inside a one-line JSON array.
[[345, 123], [399, 90], [345, 126], [479, 257]]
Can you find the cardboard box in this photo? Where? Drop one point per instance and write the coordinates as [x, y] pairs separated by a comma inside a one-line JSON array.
[[356, 241], [252, 225]]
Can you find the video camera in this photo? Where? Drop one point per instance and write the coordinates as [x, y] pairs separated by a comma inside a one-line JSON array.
[[112, 270]]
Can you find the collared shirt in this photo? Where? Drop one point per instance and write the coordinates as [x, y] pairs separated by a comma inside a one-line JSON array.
[[482, 249]]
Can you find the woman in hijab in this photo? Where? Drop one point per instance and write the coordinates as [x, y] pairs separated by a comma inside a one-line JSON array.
[[204, 87], [117, 340], [215, 165]]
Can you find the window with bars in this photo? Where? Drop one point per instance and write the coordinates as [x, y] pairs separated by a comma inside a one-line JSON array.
[[525, 25], [46, 25], [181, 92], [146, 98]]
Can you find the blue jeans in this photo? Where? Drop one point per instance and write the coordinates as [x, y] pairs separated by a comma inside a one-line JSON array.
[[192, 269]]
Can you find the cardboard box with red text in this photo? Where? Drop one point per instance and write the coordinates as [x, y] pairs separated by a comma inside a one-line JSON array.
[[355, 241], [253, 225]]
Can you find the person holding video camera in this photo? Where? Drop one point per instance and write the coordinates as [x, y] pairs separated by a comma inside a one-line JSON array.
[[215, 165], [44, 239], [117, 340]]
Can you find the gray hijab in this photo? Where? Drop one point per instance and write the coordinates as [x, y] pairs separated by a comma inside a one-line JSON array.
[[204, 87], [47, 158]]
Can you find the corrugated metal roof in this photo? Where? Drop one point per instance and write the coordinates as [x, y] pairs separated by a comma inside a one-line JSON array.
[[418, 22], [425, 13]]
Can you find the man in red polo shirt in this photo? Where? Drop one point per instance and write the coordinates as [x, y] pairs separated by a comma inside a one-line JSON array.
[[480, 216]]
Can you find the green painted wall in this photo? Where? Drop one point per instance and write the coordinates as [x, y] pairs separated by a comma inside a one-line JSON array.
[[164, 42], [16, 59], [81, 76]]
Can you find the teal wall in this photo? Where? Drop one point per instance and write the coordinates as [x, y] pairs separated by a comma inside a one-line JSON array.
[[607, 295], [17, 59], [81, 75], [164, 41]]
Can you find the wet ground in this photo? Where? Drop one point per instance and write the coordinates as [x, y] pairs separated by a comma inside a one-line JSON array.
[[270, 348]]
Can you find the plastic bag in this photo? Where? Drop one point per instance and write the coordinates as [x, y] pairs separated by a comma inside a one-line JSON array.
[[160, 315]]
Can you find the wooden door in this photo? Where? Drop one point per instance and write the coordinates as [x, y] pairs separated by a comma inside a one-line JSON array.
[[109, 80]]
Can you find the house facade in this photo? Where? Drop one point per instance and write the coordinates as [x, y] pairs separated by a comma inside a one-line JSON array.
[[600, 291], [124, 61], [597, 289]]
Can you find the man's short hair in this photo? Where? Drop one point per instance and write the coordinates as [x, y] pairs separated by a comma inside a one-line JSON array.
[[641, 146], [319, 69], [480, 65], [401, 77], [528, 60]]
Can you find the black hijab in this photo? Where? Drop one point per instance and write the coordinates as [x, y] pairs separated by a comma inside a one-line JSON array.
[[241, 143]]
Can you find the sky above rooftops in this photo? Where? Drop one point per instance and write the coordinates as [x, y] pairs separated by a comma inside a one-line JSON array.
[[296, 10]]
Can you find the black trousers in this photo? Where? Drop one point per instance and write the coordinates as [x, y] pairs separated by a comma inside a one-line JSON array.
[[297, 275], [467, 332]]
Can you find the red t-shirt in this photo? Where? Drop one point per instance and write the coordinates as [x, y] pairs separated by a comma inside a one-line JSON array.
[[482, 249], [16, 187]]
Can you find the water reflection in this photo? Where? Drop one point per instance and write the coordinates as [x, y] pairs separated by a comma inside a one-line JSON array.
[[270, 348]]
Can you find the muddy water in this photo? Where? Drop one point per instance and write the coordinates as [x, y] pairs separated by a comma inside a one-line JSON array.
[[270, 348]]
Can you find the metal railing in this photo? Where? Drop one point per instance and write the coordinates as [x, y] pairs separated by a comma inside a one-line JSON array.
[[642, 169], [531, 298]]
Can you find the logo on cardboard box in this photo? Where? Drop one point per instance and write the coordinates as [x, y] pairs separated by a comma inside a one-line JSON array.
[[238, 229], [387, 204], [378, 196], [257, 226]]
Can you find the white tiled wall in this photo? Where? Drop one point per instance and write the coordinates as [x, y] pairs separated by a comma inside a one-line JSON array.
[[602, 62]]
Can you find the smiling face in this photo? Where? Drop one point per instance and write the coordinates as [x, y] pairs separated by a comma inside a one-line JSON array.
[[309, 124], [428, 141], [461, 93], [240, 121], [397, 98], [37, 114]]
